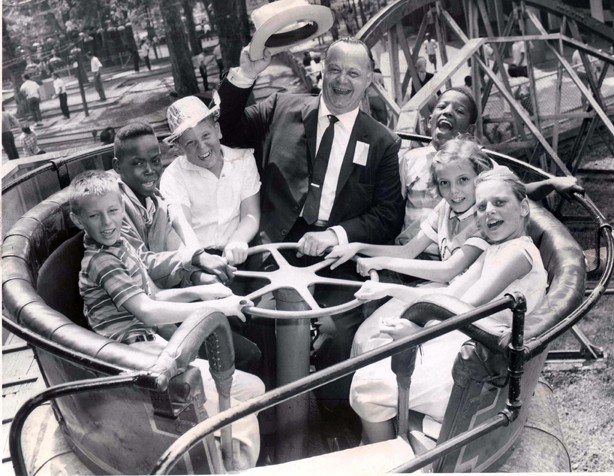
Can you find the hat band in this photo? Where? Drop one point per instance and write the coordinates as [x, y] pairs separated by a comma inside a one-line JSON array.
[[282, 39]]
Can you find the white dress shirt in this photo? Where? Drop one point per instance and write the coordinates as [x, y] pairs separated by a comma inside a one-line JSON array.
[[343, 130]]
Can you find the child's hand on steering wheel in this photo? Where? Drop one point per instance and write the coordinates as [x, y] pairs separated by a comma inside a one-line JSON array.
[[372, 290], [208, 292], [364, 265], [343, 253], [236, 252], [232, 305]]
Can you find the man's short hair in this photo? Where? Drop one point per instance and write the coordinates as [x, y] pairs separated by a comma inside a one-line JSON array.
[[26, 76], [131, 131], [89, 53], [421, 59], [350, 40], [91, 182]]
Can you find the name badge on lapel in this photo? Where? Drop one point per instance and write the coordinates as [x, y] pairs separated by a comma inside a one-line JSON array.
[[361, 153]]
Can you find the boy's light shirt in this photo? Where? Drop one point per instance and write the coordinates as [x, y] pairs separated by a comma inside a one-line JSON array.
[[185, 252]]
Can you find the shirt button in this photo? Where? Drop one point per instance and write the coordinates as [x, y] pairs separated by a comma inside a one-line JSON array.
[[284, 232]]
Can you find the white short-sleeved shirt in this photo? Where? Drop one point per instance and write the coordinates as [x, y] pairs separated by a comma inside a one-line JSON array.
[[30, 89], [95, 64], [451, 230], [59, 86], [519, 53], [215, 203]]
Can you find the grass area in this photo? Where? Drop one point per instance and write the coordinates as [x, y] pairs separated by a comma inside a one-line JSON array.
[[585, 398]]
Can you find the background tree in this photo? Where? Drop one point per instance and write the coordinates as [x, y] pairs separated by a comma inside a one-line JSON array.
[[13, 67], [188, 13], [182, 67], [335, 28], [244, 30], [228, 29]]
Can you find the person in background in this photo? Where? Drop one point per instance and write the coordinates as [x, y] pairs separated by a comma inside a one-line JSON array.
[[144, 53], [423, 75], [96, 66], [201, 60], [431, 50], [107, 136], [29, 142], [30, 90], [9, 121], [60, 92], [519, 59], [217, 54], [135, 59]]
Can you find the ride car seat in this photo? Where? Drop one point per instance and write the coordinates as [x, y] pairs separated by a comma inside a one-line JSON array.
[[114, 431], [480, 370]]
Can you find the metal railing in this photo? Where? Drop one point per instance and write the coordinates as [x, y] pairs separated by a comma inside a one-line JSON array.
[[516, 360]]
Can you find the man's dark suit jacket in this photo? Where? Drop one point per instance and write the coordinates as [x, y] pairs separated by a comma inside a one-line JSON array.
[[282, 130]]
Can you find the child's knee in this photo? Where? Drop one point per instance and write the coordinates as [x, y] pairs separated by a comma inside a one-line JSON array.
[[246, 386]]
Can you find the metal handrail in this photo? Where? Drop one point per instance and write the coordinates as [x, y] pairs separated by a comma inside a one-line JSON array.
[[186, 441], [61, 390]]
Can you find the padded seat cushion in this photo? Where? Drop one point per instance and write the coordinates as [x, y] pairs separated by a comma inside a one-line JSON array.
[[58, 280]]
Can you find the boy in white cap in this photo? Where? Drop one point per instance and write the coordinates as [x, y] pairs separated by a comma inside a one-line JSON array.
[[218, 187]]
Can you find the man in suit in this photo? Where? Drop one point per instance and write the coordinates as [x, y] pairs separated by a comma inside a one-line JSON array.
[[325, 180]]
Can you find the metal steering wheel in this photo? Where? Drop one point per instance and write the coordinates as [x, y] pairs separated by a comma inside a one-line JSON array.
[[298, 279]]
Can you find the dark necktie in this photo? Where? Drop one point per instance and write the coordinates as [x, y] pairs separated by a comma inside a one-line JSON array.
[[312, 203]]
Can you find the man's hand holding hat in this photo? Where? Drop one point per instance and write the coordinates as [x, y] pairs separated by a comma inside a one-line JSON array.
[[249, 68]]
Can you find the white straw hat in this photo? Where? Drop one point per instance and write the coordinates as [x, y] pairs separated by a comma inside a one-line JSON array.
[[284, 23], [185, 114]]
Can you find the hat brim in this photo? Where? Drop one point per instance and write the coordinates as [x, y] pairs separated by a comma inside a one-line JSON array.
[[189, 124], [317, 20]]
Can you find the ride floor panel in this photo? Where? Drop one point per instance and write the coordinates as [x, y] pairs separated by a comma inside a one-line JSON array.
[[21, 378]]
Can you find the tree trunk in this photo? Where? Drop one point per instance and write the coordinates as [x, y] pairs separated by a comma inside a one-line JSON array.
[[178, 49], [210, 15], [15, 69], [335, 28], [363, 17], [228, 28], [188, 12], [243, 19]]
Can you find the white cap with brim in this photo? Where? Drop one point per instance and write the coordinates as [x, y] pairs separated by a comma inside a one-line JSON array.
[[185, 114], [284, 23]]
